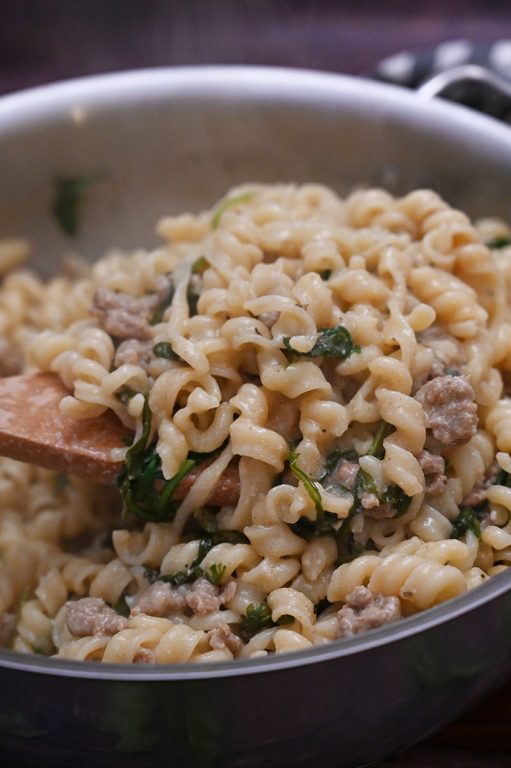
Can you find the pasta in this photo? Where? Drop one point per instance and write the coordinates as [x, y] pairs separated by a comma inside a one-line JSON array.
[[329, 382]]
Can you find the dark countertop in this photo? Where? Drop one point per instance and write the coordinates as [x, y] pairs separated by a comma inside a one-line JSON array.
[[46, 40]]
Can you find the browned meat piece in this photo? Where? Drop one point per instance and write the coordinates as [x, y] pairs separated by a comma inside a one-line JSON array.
[[7, 624], [346, 474], [364, 611], [124, 316], [371, 504], [11, 359], [433, 467], [477, 495], [451, 413], [160, 599], [221, 637], [205, 597], [92, 616], [369, 500], [134, 352]]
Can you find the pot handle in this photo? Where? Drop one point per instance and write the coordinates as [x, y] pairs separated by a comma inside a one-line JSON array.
[[466, 74]]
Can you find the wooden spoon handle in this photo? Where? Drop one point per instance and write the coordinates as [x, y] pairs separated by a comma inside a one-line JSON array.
[[34, 429]]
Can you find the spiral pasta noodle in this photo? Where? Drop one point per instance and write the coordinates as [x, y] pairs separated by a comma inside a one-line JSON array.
[[318, 391]]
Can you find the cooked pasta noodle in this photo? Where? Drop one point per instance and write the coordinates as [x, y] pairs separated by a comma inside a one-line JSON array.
[[335, 374]]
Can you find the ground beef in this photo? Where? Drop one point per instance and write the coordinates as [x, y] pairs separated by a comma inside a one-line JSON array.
[[450, 410], [205, 597], [364, 611], [123, 316], [126, 317], [346, 474], [92, 616], [479, 492], [134, 352], [160, 599], [433, 467], [371, 504], [11, 358], [222, 637]]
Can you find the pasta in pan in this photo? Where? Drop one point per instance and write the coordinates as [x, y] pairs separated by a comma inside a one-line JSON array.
[[319, 393]]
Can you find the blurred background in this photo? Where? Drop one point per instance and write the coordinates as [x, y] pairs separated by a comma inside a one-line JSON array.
[[46, 40]]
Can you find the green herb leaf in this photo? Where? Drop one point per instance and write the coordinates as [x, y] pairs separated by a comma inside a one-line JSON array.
[[217, 573], [193, 571], [229, 202], [331, 342], [257, 617], [397, 498], [325, 274], [498, 242], [164, 349], [309, 486], [467, 520], [376, 447], [69, 191], [121, 607], [145, 492], [199, 266], [164, 304]]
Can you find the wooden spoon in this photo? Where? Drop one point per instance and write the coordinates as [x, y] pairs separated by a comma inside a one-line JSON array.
[[34, 430]]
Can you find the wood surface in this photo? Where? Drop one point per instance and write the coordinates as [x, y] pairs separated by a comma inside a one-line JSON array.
[[47, 40]]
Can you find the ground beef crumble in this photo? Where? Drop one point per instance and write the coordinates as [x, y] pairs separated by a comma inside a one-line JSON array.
[[222, 637], [160, 599], [433, 467], [205, 597], [450, 410], [92, 616], [363, 610]]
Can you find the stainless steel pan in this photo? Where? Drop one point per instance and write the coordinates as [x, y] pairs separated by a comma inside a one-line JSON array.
[[168, 140]]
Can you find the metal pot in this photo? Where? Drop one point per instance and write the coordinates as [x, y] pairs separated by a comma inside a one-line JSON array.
[[165, 141]]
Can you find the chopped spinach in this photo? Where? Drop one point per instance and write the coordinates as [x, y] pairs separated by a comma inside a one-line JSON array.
[[164, 349], [217, 573], [376, 447], [164, 304], [69, 191], [309, 486], [207, 521], [397, 498], [121, 607], [229, 202], [467, 520], [331, 342], [192, 297], [194, 570], [498, 242], [144, 490], [199, 266], [325, 274], [258, 617]]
